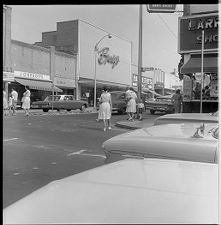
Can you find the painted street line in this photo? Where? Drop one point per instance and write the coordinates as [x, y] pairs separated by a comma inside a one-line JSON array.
[[10, 139], [88, 154], [81, 152], [76, 153]]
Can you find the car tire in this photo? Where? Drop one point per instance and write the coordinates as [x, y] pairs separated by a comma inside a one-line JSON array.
[[83, 108], [68, 110], [152, 111], [45, 110], [122, 111]]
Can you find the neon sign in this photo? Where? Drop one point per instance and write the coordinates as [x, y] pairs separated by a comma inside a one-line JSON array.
[[104, 58]]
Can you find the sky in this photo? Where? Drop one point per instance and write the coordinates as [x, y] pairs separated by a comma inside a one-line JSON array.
[[160, 30]]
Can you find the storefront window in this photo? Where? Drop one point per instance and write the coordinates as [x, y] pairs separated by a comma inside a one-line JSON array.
[[192, 87]]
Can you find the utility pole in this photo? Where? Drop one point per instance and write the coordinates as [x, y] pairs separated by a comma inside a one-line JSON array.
[[52, 71], [201, 91], [139, 78]]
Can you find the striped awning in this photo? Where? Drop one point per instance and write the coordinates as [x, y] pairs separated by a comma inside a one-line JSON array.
[[38, 85]]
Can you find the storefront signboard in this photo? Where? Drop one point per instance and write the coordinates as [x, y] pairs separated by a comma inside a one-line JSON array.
[[161, 8], [8, 76], [64, 82], [105, 57], [34, 76], [190, 33]]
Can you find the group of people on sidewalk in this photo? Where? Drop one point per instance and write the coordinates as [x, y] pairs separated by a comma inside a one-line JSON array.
[[105, 107], [134, 105], [9, 106]]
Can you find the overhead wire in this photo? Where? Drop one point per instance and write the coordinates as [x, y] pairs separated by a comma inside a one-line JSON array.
[[167, 26]]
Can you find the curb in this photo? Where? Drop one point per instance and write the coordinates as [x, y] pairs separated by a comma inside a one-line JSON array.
[[132, 125]]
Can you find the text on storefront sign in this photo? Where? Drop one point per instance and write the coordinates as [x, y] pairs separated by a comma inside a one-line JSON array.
[[104, 58]]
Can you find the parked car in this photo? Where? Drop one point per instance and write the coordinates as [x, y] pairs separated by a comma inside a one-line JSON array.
[[60, 102], [119, 103], [186, 141], [160, 104], [129, 191], [187, 117]]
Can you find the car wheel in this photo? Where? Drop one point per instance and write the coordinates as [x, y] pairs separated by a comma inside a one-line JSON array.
[[152, 111], [83, 108], [68, 110], [45, 110], [122, 111]]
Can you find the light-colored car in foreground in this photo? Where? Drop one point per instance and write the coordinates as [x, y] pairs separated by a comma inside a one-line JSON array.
[[59, 102], [128, 191], [187, 118], [185, 141]]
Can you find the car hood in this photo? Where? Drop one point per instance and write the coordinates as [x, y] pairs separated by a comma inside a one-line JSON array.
[[190, 116], [174, 141], [127, 191]]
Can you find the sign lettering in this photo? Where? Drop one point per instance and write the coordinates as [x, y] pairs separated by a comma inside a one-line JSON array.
[[104, 58], [190, 33]]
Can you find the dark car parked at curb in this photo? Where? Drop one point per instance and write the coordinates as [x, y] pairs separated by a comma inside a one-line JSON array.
[[66, 102], [160, 104], [119, 103]]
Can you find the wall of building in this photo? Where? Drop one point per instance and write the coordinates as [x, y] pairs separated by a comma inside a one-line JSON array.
[[203, 8], [121, 72], [6, 38], [35, 59]]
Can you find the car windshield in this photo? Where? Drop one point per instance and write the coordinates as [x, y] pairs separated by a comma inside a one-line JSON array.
[[49, 98]]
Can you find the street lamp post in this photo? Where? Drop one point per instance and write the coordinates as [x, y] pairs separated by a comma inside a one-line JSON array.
[[95, 72]]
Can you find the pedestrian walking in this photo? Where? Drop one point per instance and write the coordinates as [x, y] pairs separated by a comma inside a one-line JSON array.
[[105, 108], [10, 104], [14, 94], [26, 100], [131, 103], [140, 107], [99, 111], [177, 101], [5, 103]]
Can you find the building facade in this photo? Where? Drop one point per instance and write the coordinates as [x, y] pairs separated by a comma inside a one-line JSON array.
[[198, 46], [42, 69], [109, 64]]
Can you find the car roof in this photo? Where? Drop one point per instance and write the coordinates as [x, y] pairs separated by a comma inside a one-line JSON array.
[[127, 191]]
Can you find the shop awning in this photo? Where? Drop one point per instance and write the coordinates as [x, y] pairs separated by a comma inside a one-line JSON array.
[[100, 83], [210, 64], [38, 85]]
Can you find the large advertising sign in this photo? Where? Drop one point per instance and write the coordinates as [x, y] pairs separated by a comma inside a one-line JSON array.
[[190, 33]]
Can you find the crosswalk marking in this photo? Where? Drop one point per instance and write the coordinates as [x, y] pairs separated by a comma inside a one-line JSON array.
[[10, 139]]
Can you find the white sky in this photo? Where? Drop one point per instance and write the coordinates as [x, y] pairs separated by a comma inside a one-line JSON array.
[[160, 30]]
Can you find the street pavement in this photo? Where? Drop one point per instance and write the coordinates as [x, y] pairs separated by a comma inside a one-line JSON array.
[[47, 146], [125, 124]]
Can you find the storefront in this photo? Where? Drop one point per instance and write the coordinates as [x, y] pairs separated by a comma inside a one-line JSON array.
[[200, 62], [40, 84]]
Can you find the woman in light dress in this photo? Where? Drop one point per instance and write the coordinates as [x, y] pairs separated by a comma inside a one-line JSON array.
[[5, 103], [105, 108], [131, 104], [26, 100]]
